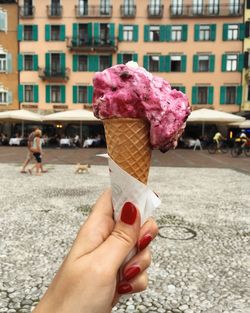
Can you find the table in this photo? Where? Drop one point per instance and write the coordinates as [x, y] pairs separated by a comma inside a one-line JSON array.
[[15, 141], [65, 142]]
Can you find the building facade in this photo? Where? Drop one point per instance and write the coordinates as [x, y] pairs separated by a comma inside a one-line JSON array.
[[195, 45], [8, 55], [246, 70]]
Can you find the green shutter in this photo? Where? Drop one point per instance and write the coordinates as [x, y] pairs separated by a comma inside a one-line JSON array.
[[62, 32], [110, 60], [20, 32], [93, 63], [146, 33], [183, 63], [183, 89], [146, 62], [162, 33], [168, 35], [135, 33], [162, 64], [47, 93], [62, 62], [184, 32], [20, 62], [36, 95], [120, 32], [89, 32], [35, 62], [240, 62], [194, 95], [63, 95], [119, 58], [223, 95], [47, 32], [90, 94], [239, 95], [112, 33], [225, 32], [196, 32], [213, 32], [20, 93], [224, 63], [75, 63], [135, 57], [75, 94], [75, 31], [211, 62], [195, 63], [47, 62], [241, 31], [9, 63], [210, 95], [35, 32], [167, 63], [96, 32]]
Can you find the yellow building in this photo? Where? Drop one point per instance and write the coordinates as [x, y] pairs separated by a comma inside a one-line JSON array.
[[246, 71]]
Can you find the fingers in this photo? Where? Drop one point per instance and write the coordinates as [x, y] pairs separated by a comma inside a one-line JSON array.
[[138, 284], [149, 231]]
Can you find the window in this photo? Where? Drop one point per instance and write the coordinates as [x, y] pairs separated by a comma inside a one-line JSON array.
[[127, 57], [177, 7], [231, 64], [176, 34], [82, 94], [213, 7], [197, 7], [28, 93], [55, 32], [203, 63], [28, 62], [231, 95], [175, 63], [105, 62], [28, 32], [154, 33], [202, 95], [155, 7], [128, 7], [3, 62], [235, 7], [82, 63], [104, 33], [3, 20], [233, 32], [128, 32], [55, 94], [3, 97], [154, 63], [105, 7], [205, 32]]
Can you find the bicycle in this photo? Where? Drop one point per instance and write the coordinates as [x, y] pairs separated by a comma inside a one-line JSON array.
[[213, 148], [237, 150]]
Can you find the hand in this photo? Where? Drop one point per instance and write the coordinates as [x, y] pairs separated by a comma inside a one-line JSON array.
[[87, 280]]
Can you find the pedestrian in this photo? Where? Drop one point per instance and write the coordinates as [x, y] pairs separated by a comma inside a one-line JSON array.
[[29, 153], [36, 149]]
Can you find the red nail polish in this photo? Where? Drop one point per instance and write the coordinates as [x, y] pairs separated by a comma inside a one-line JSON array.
[[129, 213], [124, 288], [131, 272], [144, 242]]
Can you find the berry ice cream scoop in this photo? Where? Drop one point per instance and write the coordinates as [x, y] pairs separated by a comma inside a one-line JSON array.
[[129, 91]]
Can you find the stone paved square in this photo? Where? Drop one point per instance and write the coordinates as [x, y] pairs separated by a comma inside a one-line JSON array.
[[200, 258]]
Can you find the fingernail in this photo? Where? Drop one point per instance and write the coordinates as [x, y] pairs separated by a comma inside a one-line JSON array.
[[129, 213], [131, 272], [145, 241], [124, 288]]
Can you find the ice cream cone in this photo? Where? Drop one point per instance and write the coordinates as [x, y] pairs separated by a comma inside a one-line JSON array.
[[128, 143]]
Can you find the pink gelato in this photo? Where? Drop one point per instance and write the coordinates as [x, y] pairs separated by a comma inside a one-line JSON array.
[[131, 91]]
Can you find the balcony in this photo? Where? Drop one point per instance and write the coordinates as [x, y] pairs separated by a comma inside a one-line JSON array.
[[206, 10], [26, 11], [128, 11], [60, 75], [93, 11], [54, 11], [155, 11], [92, 44]]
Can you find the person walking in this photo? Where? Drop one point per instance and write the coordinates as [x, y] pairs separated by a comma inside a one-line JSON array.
[[29, 153], [36, 149]]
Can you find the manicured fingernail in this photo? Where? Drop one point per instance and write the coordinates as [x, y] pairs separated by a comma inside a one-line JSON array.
[[129, 213], [131, 272], [145, 241], [124, 288]]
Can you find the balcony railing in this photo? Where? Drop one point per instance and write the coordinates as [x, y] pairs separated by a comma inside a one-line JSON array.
[[207, 10], [54, 10], [93, 11], [26, 11], [128, 11], [54, 75], [155, 11], [91, 44]]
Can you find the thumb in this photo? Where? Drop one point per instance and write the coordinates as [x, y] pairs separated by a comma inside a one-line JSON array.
[[123, 237]]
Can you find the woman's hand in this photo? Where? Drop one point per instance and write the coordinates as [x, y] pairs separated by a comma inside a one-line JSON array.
[[87, 281]]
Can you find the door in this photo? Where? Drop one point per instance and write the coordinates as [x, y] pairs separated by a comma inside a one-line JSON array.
[[55, 64], [83, 7]]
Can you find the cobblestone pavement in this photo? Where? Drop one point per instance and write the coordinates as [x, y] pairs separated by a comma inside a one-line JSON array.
[[200, 259]]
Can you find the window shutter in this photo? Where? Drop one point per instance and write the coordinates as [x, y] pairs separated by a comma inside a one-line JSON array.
[[96, 32], [196, 32], [194, 95], [247, 34], [35, 62], [75, 63], [9, 63], [222, 95], [248, 4], [183, 89], [93, 63], [135, 33], [36, 96], [89, 32], [167, 63], [75, 94], [110, 60], [20, 62], [224, 63], [48, 93], [90, 94], [239, 95], [184, 32], [62, 89], [195, 63], [3, 20], [20, 93], [183, 63], [211, 63], [210, 95], [9, 97], [168, 36], [246, 57], [240, 62], [213, 32], [225, 32], [120, 32], [146, 61], [162, 33], [35, 32], [162, 64], [63, 62], [75, 31], [47, 62], [62, 32], [146, 33], [20, 32], [47, 32], [135, 57], [119, 58], [112, 33], [241, 31]]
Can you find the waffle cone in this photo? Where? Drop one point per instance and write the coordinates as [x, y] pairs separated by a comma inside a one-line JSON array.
[[128, 144]]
